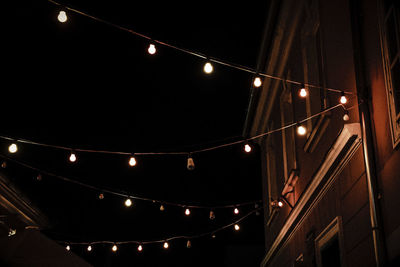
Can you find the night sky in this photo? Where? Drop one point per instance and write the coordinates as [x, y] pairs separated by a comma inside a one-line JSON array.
[[85, 84]]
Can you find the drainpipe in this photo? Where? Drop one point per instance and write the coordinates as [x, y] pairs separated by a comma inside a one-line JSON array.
[[367, 137]]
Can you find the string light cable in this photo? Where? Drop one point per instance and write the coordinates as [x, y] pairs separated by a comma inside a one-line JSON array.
[[163, 240], [196, 54], [127, 196]]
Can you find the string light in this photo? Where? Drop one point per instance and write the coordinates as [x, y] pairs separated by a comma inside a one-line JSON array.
[[132, 161], [187, 212], [62, 16], [343, 98], [72, 156], [208, 67], [190, 163], [212, 215], [237, 227], [140, 248], [280, 204], [152, 49], [128, 202], [257, 82], [247, 148], [303, 91], [68, 248], [188, 244], [346, 116], [114, 248], [13, 148], [301, 130], [166, 245], [236, 211], [101, 196], [162, 207], [89, 248]]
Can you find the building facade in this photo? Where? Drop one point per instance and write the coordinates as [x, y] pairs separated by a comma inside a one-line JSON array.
[[330, 194]]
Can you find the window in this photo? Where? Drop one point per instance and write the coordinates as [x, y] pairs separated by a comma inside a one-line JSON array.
[[390, 35], [328, 245]]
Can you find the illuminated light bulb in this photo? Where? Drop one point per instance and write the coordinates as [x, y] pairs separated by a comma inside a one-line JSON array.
[[101, 196], [280, 204], [166, 245], [301, 130], [187, 212], [236, 211], [162, 207], [68, 248], [190, 163], [257, 82], [128, 202], [188, 244], [208, 68], [212, 215], [62, 16], [13, 148], [343, 98], [114, 248], [72, 157], [89, 248], [152, 49], [39, 177], [303, 91], [346, 116], [213, 236], [140, 248], [237, 227], [132, 161], [247, 148], [4, 164]]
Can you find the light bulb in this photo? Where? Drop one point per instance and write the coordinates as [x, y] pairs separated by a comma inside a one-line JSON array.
[[346, 116], [140, 248], [114, 248], [280, 204], [101, 196], [237, 227], [303, 92], [257, 82], [247, 148], [152, 49], [89, 248], [72, 157], [301, 130], [166, 245], [68, 248], [190, 164], [128, 202], [187, 212], [132, 161], [13, 148], [212, 215], [208, 68], [62, 16], [162, 207], [188, 244], [236, 211], [343, 98]]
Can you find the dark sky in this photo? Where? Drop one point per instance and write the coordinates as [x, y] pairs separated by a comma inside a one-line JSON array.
[[84, 84]]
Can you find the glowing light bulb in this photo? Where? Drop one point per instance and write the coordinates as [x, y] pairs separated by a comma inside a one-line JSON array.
[[257, 82], [237, 227], [303, 92], [166, 245], [247, 148], [208, 68], [114, 248], [89, 248], [152, 49], [128, 202], [212, 215], [236, 211], [190, 164], [343, 98], [62, 16], [68, 248], [301, 130], [13, 148], [72, 156], [140, 248], [162, 207], [188, 244], [132, 161], [280, 204], [101, 196], [187, 212]]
